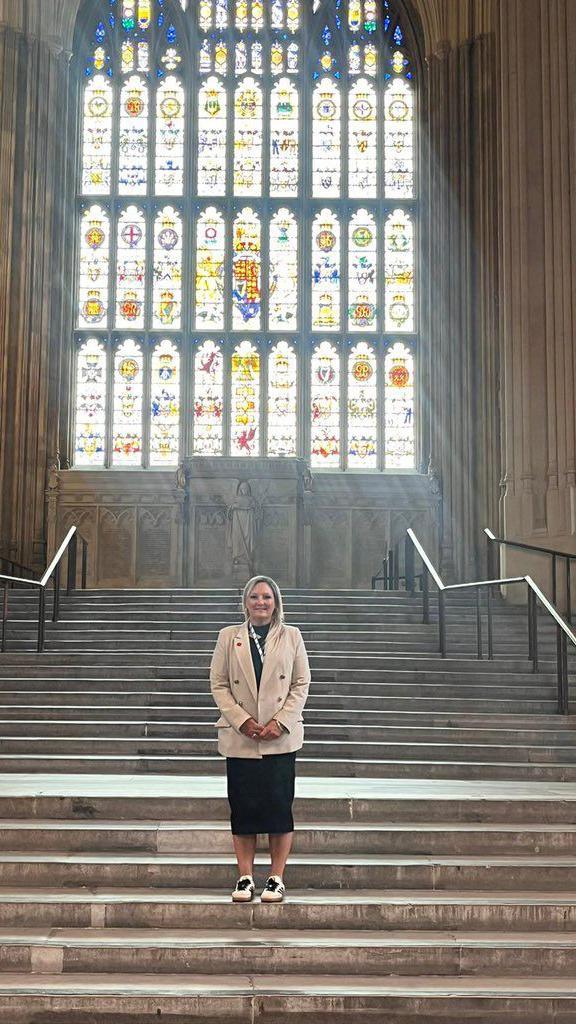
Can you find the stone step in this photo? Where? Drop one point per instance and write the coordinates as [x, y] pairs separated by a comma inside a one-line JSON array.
[[102, 998], [354, 727], [509, 728], [507, 705], [276, 951], [94, 742], [318, 871], [333, 768], [450, 838], [305, 910]]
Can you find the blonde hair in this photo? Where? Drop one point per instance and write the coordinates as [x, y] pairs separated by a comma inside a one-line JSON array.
[[277, 622]]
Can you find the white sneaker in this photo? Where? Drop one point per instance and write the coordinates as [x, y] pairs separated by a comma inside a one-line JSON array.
[[244, 890], [274, 890]]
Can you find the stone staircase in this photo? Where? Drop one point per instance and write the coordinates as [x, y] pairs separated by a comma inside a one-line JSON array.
[[433, 876]]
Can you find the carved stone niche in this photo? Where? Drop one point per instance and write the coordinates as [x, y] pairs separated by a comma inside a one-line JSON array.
[[244, 516], [132, 522]]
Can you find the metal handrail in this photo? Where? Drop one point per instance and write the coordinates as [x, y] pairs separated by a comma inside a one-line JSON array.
[[534, 594], [53, 570], [14, 564], [555, 555]]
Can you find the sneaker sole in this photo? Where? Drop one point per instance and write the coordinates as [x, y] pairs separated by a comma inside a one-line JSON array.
[[242, 899]]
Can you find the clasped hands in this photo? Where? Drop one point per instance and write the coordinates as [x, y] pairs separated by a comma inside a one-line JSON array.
[[255, 731]]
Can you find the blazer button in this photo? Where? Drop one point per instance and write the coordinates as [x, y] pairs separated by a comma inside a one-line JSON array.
[[236, 682], [282, 677], [279, 700]]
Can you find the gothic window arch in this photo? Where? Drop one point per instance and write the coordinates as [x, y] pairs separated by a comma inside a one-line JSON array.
[[247, 233]]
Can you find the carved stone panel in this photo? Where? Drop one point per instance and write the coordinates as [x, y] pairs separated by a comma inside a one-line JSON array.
[[277, 545], [116, 545], [155, 554], [212, 557], [330, 548], [369, 540]]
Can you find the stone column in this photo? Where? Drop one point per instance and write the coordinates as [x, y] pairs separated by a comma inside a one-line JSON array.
[[34, 291], [538, 254], [460, 295]]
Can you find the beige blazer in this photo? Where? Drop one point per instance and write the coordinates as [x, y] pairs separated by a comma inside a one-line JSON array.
[[282, 694]]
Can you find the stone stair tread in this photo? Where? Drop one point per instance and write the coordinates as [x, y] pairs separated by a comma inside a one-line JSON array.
[[298, 897], [220, 986], [219, 937], [188, 825], [321, 859]]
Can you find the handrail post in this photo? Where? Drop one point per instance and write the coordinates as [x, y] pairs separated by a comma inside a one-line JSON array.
[[490, 558], [554, 579], [56, 601], [396, 567], [41, 618], [479, 624], [72, 560], [532, 629], [489, 623], [442, 623], [562, 671], [569, 590], [4, 616], [390, 569], [425, 595], [409, 564]]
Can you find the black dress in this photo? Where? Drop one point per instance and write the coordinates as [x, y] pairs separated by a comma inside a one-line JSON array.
[[261, 790]]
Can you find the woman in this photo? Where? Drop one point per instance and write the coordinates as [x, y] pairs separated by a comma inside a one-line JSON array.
[[260, 677]]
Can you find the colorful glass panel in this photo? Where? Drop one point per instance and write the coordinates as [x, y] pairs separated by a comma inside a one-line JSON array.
[[90, 434], [205, 15], [292, 15], [362, 141], [362, 272], [242, 15], [167, 289], [165, 405], [208, 399], [210, 242], [326, 272], [257, 20], [326, 133], [362, 408], [97, 137], [221, 14], [246, 271], [325, 406], [284, 139], [127, 411], [133, 143], [248, 139], [283, 281], [170, 138], [212, 139], [400, 449], [131, 268], [399, 272], [94, 268], [399, 140], [282, 400], [245, 405]]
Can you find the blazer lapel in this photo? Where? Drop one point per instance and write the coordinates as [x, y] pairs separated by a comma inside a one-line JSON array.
[[241, 643]]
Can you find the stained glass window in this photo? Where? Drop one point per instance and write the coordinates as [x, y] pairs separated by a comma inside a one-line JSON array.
[[212, 139], [362, 273], [325, 406], [208, 399], [165, 405], [131, 268], [210, 248], [245, 404], [326, 272], [167, 290], [283, 282], [248, 231], [362, 407], [282, 400], [90, 445], [399, 408], [127, 411]]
